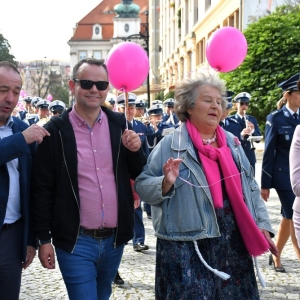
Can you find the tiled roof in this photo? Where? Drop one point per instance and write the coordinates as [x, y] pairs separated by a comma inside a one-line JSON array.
[[100, 15]]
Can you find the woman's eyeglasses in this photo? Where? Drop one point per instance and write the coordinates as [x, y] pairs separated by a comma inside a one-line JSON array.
[[88, 84], [244, 103]]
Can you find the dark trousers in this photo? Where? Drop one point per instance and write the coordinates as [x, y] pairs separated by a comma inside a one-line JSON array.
[[11, 261], [139, 229], [147, 209]]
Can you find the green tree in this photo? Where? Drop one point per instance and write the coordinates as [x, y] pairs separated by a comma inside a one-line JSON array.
[[60, 92], [159, 96], [273, 56], [4, 51], [169, 95]]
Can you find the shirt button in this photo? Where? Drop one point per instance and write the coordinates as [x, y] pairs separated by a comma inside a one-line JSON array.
[[100, 186], [95, 151], [97, 169]]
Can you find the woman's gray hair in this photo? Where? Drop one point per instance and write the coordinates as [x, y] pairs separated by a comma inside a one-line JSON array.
[[187, 92]]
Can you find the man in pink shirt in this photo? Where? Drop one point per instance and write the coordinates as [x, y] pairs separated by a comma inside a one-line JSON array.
[[82, 197]]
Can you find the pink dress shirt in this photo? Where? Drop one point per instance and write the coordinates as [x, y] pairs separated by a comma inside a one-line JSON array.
[[96, 180]]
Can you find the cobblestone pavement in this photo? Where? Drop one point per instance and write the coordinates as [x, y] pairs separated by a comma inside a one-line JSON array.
[[137, 270]]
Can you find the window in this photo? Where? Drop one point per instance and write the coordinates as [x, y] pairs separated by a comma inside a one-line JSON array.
[[126, 27], [201, 52], [82, 55], [97, 54], [207, 4], [97, 30]]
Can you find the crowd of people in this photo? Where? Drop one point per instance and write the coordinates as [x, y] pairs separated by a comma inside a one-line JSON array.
[[74, 183]]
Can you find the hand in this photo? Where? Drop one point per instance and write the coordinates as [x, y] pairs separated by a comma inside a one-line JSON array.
[[273, 249], [131, 140], [171, 172], [31, 252], [46, 256], [137, 203], [265, 194], [35, 133], [246, 131]]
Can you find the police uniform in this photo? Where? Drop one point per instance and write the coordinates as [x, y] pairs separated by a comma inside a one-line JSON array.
[[250, 153], [154, 139], [170, 118], [140, 129], [23, 113], [43, 104], [230, 124], [57, 107], [32, 118], [280, 127]]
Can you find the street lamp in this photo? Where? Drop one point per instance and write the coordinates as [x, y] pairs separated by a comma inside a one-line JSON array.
[[145, 36]]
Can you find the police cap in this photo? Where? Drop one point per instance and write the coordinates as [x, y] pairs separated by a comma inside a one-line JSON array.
[[131, 99], [242, 97], [290, 84]]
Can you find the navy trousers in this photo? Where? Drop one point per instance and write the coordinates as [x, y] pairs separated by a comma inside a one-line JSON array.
[[11, 261]]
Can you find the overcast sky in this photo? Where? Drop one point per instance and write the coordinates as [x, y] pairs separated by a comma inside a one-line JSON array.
[[36, 29]]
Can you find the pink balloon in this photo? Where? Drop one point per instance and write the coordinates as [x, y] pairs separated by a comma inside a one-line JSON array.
[[128, 66], [49, 97], [226, 49]]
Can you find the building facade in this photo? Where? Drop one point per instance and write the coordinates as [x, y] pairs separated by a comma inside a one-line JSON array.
[[186, 25]]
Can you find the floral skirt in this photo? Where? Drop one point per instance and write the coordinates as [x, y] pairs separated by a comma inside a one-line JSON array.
[[180, 274]]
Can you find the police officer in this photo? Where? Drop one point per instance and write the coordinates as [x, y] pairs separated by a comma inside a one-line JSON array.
[[110, 103], [27, 107], [280, 127], [43, 112], [33, 118], [248, 124], [139, 108], [169, 116], [56, 107], [230, 124]]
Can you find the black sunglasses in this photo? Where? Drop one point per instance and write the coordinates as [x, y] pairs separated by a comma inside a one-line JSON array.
[[244, 103], [88, 84]]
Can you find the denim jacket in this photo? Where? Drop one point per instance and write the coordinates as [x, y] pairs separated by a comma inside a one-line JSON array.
[[187, 213]]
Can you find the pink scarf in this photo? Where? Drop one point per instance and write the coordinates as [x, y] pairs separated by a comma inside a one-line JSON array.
[[253, 238]]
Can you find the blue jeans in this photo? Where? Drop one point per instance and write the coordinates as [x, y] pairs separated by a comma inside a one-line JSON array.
[[89, 271], [139, 229]]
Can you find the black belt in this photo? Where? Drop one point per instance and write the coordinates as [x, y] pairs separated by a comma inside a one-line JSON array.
[[100, 233]]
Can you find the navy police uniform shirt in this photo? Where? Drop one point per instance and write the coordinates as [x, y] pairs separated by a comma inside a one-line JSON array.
[[141, 130], [231, 125], [280, 127], [156, 137], [168, 119], [246, 144], [22, 114]]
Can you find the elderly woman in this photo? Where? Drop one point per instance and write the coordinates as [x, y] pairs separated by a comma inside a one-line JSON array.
[[206, 206]]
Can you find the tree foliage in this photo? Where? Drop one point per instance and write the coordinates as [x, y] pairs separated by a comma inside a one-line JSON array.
[[273, 56], [60, 92], [4, 51]]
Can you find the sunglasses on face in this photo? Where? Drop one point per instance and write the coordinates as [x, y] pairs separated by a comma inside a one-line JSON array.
[[244, 103], [88, 84]]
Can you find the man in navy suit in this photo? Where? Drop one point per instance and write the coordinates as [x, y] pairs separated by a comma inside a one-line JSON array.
[[17, 144], [248, 124], [230, 124]]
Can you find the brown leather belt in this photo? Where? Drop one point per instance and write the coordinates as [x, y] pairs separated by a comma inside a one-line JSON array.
[[100, 233]]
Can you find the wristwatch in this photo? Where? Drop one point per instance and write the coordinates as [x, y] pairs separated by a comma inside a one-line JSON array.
[[42, 242]]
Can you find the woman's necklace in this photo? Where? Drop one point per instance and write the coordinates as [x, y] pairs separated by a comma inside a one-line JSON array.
[[210, 141]]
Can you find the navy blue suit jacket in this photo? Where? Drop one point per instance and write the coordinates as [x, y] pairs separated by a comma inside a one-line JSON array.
[[12, 147], [246, 144], [280, 128]]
